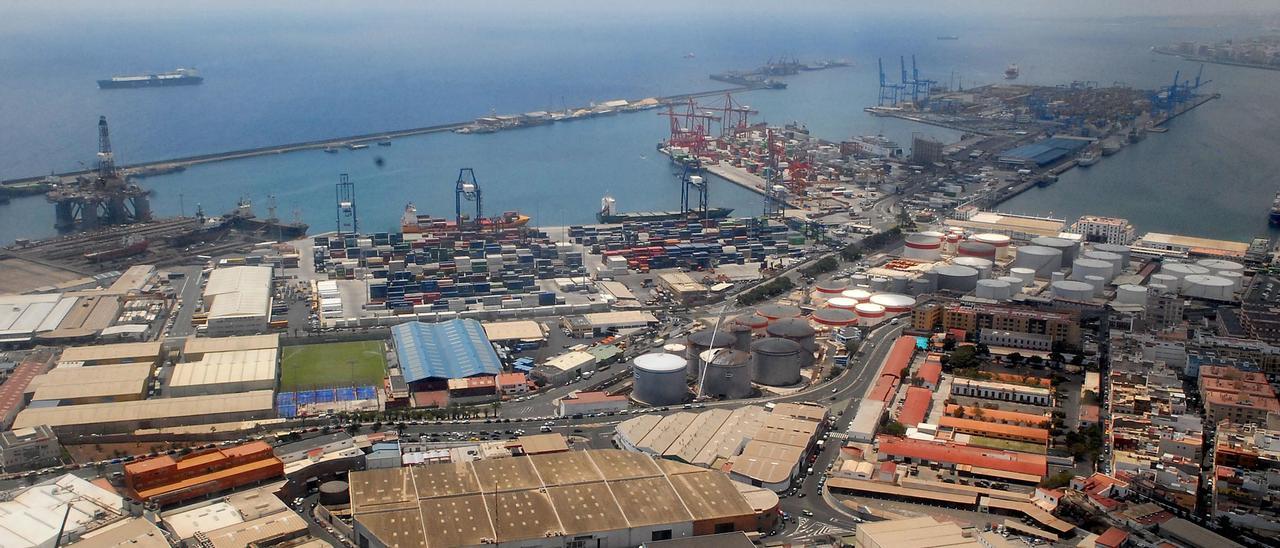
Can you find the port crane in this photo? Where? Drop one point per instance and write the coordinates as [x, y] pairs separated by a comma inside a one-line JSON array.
[[889, 92], [689, 184], [348, 222], [690, 129], [467, 189], [735, 117], [1178, 92]]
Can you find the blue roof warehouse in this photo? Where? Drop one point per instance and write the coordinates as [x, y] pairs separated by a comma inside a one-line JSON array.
[[432, 353], [1044, 152]]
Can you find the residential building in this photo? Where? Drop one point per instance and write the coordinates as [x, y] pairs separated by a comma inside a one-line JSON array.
[[1233, 394], [1014, 339], [1059, 327], [513, 384], [1111, 230], [1246, 475], [29, 449], [952, 455]]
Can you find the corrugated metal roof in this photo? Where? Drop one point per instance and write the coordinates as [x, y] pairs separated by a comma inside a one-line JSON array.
[[446, 350]]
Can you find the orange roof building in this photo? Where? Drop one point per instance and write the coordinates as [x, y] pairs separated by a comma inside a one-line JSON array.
[[166, 480], [995, 430], [930, 372], [997, 415], [951, 454], [916, 406]]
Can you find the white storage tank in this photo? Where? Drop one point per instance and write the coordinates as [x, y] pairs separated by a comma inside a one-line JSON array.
[[799, 331], [998, 241], [1158, 289], [879, 284], [921, 285], [958, 278], [674, 348], [859, 294], [1071, 290], [727, 374], [741, 331], [1237, 280], [834, 317], [756, 322], [1204, 286], [983, 266], [842, 302], [659, 379], [997, 290], [777, 361], [1043, 260], [1027, 275], [1122, 250], [1117, 262], [1069, 248], [1015, 284], [1182, 270], [952, 242], [1131, 294], [1173, 283], [894, 303], [1218, 266], [869, 313], [924, 246], [1083, 268], [702, 341], [1098, 282]]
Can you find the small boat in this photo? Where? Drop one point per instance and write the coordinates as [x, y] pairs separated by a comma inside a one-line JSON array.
[[689, 55], [949, 37], [354, 146], [1274, 217], [1087, 159], [1011, 72], [330, 150], [1110, 146], [385, 142]]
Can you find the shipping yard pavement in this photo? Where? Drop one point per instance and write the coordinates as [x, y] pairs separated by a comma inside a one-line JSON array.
[[306, 367]]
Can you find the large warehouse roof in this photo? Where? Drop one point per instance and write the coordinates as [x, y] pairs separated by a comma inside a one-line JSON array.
[[101, 381], [446, 350], [143, 351], [261, 401], [516, 330], [562, 494], [1044, 152], [239, 291], [22, 316], [201, 345], [227, 367]]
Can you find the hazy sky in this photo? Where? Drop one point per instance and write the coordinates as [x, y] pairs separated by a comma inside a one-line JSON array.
[[587, 10]]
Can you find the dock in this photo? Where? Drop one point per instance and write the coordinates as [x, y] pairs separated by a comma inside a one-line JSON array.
[[177, 164]]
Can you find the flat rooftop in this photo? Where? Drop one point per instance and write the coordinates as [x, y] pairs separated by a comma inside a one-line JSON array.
[[521, 498]]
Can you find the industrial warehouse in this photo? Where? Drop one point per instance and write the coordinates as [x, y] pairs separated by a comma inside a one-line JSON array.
[[606, 496]]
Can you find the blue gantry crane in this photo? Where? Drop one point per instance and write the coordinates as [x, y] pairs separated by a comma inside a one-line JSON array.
[[1167, 99], [889, 92], [467, 189]]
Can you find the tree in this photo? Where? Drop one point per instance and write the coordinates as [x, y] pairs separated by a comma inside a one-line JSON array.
[[895, 428], [964, 357], [959, 414], [1035, 361], [1058, 481], [1056, 357], [1014, 358], [851, 253], [982, 349], [1077, 359], [978, 412], [948, 344]]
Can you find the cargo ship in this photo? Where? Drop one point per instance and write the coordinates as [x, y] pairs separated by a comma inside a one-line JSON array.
[[129, 247], [180, 77], [411, 222], [1087, 159], [607, 215], [1274, 218], [1011, 72]]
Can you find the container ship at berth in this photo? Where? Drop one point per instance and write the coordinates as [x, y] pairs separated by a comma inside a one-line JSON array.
[[180, 77], [411, 222], [1275, 210], [607, 215]]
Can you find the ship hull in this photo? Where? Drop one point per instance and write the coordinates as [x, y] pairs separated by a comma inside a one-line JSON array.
[[1274, 217], [640, 216], [150, 83]]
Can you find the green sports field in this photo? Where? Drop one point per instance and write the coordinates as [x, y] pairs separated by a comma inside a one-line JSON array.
[[332, 365]]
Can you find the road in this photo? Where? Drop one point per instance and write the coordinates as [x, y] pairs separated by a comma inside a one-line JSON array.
[[189, 295]]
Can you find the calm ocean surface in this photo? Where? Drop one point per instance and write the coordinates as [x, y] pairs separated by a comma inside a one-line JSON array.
[[275, 77]]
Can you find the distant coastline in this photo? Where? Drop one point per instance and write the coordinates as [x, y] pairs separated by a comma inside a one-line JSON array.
[[1167, 51]]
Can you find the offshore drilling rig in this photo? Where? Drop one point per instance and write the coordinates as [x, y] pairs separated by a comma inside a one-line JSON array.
[[102, 198]]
